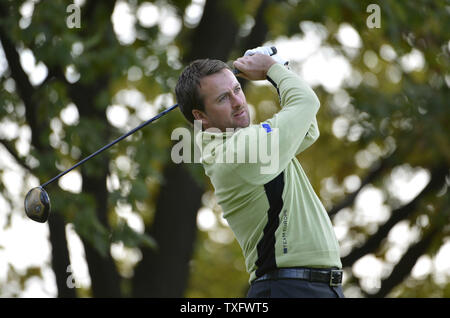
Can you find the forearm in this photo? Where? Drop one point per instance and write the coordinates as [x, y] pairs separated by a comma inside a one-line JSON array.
[[296, 121], [292, 89]]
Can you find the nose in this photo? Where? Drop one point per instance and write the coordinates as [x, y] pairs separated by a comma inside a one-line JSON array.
[[237, 101]]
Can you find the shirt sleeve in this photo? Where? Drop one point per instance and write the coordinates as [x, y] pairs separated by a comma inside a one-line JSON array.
[[311, 136], [293, 128]]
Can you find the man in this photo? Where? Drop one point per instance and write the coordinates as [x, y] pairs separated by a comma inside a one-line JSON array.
[[286, 236]]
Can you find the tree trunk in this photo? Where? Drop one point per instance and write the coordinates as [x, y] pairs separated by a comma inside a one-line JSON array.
[[105, 280], [60, 255], [164, 272]]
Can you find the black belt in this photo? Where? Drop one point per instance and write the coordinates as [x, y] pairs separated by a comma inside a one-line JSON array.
[[333, 277]]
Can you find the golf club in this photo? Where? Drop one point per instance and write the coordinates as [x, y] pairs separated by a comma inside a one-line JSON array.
[[37, 201]]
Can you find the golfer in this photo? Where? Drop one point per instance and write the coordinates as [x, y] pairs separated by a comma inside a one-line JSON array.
[[286, 236]]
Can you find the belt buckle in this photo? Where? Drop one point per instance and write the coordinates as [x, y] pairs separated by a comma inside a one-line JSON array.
[[335, 277]]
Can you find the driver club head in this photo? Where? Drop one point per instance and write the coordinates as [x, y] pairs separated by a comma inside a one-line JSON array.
[[37, 205]]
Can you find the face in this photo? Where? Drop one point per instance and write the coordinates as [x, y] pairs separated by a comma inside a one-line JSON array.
[[225, 103]]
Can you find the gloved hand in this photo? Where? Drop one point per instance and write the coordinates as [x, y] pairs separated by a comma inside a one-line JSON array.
[[267, 50]]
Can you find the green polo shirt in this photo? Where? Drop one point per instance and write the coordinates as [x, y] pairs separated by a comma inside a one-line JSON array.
[[270, 205]]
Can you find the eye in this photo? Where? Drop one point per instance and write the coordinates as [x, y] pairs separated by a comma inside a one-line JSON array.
[[237, 89], [222, 98]]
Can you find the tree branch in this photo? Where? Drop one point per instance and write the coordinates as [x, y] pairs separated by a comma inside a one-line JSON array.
[[438, 175], [14, 154], [25, 90], [404, 266], [374, 172], [407, 262]]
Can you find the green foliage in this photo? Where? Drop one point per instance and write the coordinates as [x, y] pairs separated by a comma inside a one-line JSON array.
[[217, 270], [88, 227], [130, 238], [16, 280]]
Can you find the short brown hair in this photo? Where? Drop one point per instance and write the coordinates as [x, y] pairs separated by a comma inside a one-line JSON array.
[[187, 89]]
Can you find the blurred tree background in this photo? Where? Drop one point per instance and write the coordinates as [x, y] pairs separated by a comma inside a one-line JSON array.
[[152, 228]]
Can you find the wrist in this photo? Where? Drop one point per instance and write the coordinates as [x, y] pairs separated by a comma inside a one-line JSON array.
[[270, 64], [275, 69]]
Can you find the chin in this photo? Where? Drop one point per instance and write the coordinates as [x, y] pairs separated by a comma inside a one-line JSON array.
[[244, 122], [247, 122], [246, 125]]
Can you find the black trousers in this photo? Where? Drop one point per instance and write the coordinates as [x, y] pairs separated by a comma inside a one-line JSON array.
[[293, 288]]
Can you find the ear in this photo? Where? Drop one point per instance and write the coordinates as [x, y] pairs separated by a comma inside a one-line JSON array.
[[199, 115]]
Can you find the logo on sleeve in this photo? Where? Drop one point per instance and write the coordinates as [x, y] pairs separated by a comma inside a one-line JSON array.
[[267, 127]]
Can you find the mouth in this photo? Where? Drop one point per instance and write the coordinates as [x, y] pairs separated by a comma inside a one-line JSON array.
[[239, 113]]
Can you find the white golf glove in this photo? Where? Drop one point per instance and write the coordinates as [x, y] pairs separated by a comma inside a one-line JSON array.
[[267, 50]]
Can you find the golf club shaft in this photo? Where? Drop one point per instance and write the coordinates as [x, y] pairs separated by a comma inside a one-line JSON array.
[[112, 143]]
